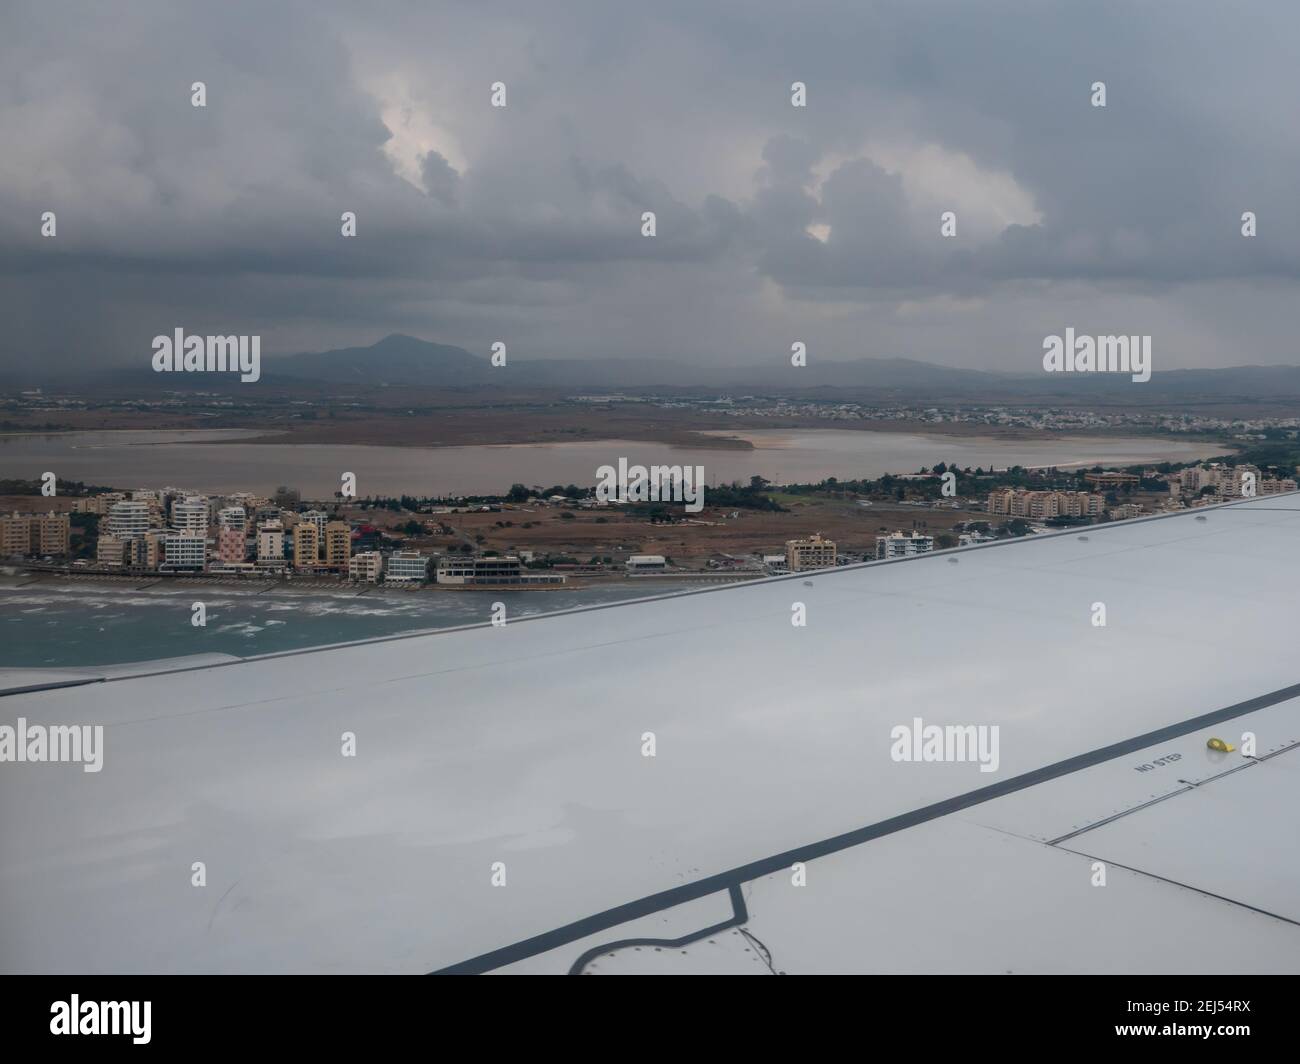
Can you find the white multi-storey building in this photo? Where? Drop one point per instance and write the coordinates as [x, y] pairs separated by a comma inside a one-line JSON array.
[[903, 544], [406, 567], [185, 550], [129, 517], [190, 514]]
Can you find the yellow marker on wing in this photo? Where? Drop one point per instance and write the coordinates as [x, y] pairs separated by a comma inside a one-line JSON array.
[[1221, 746]]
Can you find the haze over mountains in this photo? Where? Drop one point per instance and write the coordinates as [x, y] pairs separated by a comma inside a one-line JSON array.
[[406, 361]]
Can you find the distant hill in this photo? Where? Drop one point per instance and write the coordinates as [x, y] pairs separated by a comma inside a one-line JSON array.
[[399, 359], [406, 361], [396, 359]]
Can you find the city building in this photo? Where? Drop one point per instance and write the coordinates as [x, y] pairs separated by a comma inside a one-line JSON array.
[[128, 517], [337, 545], [903, 544], [270, 545], [814, 553], [306, 545], [366, 565], [190, 515], [51, 534], [1043, 505], [319, 518], [1108, 480], [39, 534], [1273, 486], [98, 504], [406, 567], [1127, 510], [232, 543], [184, 551], [503, 571], [646, 563], [110, 550], [15, 535]]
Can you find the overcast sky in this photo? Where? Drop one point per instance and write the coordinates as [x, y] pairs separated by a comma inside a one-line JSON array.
[[775, 223]]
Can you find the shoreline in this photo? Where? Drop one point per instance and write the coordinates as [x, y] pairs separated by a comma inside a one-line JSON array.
[[148, 582]]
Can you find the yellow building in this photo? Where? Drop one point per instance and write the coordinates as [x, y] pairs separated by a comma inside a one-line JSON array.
[[15, 534], [38, 534], [338, 545], [306, 545], [51, 534], [815, 553]]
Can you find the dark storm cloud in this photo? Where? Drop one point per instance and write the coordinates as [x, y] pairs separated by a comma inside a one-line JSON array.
[[822, 223]]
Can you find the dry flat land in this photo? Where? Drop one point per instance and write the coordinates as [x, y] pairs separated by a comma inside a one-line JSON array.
[[425, 418], [610, 532]]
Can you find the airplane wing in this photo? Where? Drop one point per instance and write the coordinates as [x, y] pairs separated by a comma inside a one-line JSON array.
[[740, 779]]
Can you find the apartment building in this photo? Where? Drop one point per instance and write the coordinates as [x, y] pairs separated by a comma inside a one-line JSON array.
[[368, 565], [1126, 511], [319, 518], [129, 517], [98, 504], [15, 535], [814, 553], [190, 515], [1043, 505], [306, 545], [110, 550], [39, 534], [184, 551], [1273, 486], [903, 544], [270, 545], [337, 545]]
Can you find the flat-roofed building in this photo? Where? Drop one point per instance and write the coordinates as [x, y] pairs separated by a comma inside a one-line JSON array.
[[813, 553], [306, 545], [646, 563], [903, 544], [503, 571], [337, 545], [51, 533], [366, 565], [1272, 486], [149, 550], [109, 550], [185, 551], [319, 518], [15, 534], [190, 514], [128, 517], [1111, 480], [98, 504], [1043, 505], [232, 543], [233, 517], [1126, 511], [406, 567], [270, 545]]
